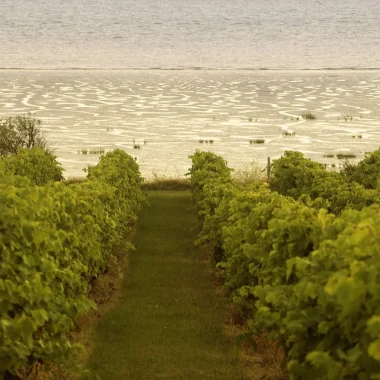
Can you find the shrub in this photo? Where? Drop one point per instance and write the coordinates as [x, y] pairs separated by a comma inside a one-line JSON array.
[[120, 170], [41, 287], [308, 278], [20, 132], [37, 164], [206, 167], [366, 172], [293, 174], [308, 116], [54, 240], [2, 168]]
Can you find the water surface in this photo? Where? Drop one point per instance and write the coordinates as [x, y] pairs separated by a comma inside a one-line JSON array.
[[190, 33], [160, 117]]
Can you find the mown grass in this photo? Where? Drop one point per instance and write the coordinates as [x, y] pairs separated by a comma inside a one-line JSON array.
[[169, 322]]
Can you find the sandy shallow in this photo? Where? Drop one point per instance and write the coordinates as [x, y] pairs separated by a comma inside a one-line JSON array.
[[165, 114]]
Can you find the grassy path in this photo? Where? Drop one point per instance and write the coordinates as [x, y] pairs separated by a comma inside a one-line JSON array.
[[169, 322]]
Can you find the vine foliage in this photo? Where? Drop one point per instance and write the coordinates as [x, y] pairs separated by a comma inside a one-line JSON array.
[[54, 240], [307, 276]]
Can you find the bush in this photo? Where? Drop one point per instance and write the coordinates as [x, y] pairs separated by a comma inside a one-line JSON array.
[[293, 174], [20, 132], [37, 164], [308, 116], [326, 312], [206, 167], [41, 287], [54, 240], [297, 176], [120, 170], [211, 181], [307, 277], [366, 172], [2, 168]]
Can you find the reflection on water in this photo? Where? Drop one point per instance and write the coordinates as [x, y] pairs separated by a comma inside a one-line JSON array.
[[162, 116]]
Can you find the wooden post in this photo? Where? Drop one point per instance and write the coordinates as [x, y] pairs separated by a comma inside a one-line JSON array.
[[268, 169]]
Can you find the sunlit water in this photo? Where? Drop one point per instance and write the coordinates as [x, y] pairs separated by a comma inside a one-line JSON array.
[[160, 117], [173, 73]]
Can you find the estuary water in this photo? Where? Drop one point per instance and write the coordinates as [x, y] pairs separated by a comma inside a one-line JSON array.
[[235, 34], [161, 117], [160, 79]]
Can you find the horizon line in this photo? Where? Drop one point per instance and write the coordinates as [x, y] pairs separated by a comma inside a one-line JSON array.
[[190, 68]]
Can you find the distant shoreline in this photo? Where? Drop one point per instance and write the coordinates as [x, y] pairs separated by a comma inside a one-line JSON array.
[[339, 69]]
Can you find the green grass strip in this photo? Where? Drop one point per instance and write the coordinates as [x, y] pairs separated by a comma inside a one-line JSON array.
[[169, 323]]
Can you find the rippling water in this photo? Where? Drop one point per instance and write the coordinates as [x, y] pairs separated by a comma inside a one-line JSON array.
[[169, 112], [160, 117], [190, 33]]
